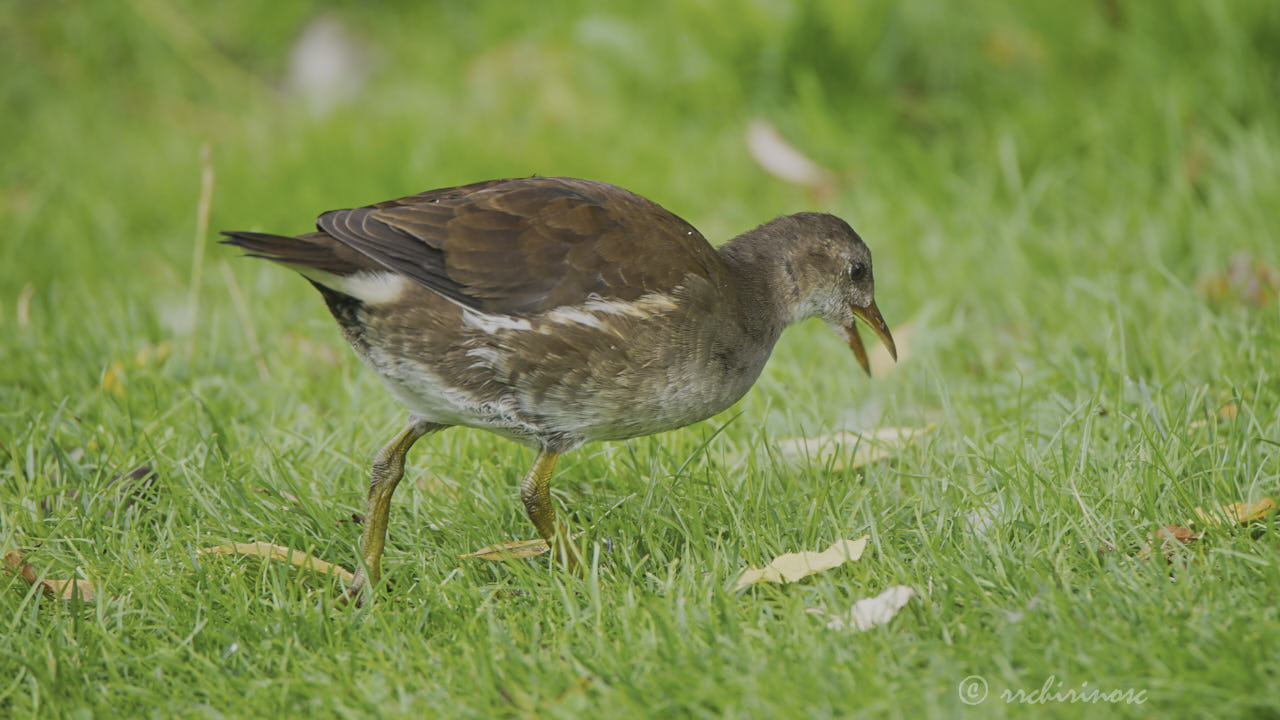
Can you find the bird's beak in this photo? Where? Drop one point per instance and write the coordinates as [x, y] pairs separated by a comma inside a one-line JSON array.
[[871, 316]]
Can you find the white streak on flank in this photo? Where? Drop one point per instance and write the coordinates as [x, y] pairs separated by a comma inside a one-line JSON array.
[[370, 288], [488, 357], [589, 313], [585, 314], [492, 323], [641, 307], [574, 315]]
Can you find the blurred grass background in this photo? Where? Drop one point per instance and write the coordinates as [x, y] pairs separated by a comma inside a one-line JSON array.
[[1045, 187]]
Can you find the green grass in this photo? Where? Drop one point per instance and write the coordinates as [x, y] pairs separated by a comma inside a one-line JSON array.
[[1041, 183]]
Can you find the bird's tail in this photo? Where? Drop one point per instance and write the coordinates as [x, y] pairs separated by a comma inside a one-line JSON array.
[[314, 251]]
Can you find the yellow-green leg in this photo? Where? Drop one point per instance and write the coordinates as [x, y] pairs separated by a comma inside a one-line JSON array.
[[387, 470], [535, 491]]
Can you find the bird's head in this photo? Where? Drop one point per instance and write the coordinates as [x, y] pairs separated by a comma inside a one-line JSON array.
[[828, 269]]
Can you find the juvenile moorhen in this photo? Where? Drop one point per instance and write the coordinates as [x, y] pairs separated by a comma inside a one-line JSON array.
[[557, 311]]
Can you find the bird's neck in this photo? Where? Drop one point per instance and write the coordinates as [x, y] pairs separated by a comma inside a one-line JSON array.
[[765, 282]]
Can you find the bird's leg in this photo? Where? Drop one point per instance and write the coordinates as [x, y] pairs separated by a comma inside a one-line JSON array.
[[388, 468], [535, 491]]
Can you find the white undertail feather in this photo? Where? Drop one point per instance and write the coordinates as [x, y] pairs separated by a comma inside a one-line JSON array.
[[369, 287]]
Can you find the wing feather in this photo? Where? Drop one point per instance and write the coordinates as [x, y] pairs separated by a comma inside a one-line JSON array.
[[528, 245]]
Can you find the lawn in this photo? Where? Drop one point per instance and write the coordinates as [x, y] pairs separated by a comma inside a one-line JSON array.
[[1073, 209]]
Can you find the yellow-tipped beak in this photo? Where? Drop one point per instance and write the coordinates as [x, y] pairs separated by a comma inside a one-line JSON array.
[[871, 316]]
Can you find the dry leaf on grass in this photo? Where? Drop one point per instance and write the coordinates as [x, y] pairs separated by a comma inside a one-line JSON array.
[[1227, 412], [1236, 513], [781, 159], [1169, 540], [513, 550], [24, 305], [60, 589], [283, 554], [1176, 532], [152, 354], [790, 567], [1246, 280], [847, 449], [113, 379], [868, 612]]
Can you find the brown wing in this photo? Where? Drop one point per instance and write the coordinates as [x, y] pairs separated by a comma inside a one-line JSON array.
[[528, 245]]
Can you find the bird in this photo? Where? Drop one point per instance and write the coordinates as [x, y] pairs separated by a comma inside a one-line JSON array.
[[558, 311]]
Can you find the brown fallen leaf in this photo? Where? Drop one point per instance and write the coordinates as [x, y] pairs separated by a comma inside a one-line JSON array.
[[1238, 513], [60, 589], [847, 449], [269, 551], [1169, 539], [513, 550], [356, 518], [790, 567], [1176, 532], [868, 612]]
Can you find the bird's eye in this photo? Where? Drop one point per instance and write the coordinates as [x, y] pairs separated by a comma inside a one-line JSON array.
[[857, 272]]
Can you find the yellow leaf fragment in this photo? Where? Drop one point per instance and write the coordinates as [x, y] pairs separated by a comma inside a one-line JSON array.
[[511, 550], [790, 567], [113, 379], [868, 612], [1236, 513], [269, 551], [24, 305], [1227, 412], [846, 449], [514, 549], [152, 354], [60, 589]]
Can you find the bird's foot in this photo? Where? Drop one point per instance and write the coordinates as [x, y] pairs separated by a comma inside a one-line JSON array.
[[359, 592]]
